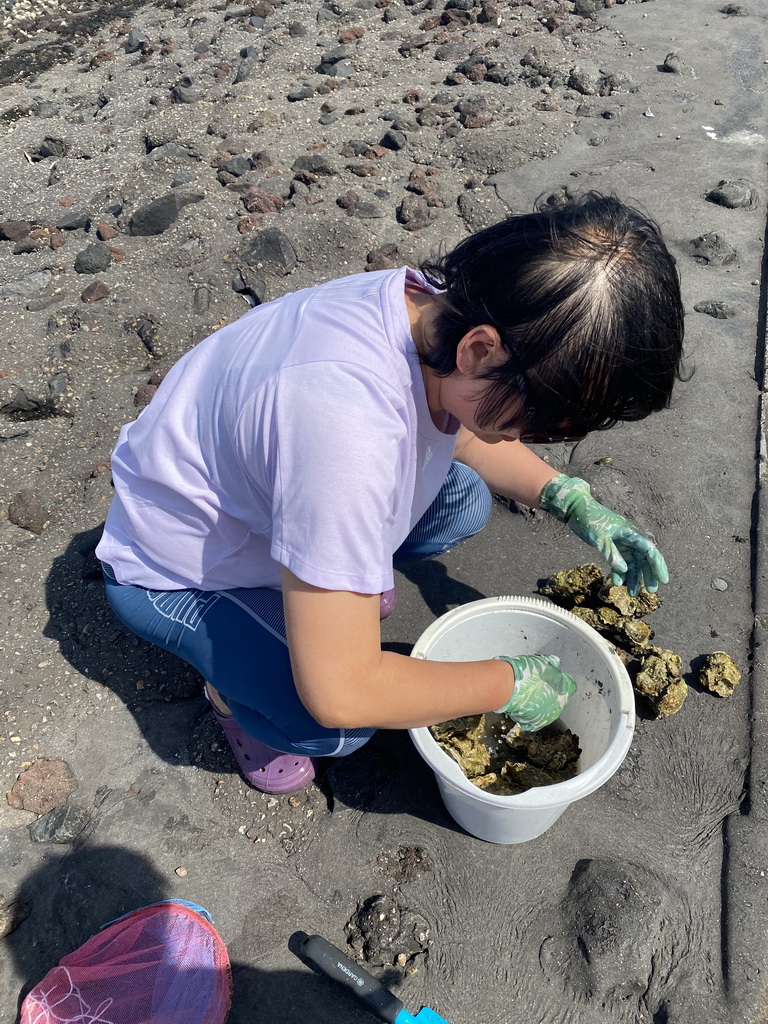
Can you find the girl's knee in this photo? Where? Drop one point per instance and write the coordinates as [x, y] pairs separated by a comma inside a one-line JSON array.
[[479, 510], [344, 743], [471, 499]]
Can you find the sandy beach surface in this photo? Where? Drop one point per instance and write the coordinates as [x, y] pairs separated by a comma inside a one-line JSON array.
[[166, 166]]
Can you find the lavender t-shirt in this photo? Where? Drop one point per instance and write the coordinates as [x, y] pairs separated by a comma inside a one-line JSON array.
[[299, 435]]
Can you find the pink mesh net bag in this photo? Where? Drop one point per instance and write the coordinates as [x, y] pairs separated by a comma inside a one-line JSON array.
[[163, 964]]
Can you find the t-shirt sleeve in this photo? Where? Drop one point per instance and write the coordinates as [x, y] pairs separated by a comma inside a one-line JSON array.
[[335, 436]]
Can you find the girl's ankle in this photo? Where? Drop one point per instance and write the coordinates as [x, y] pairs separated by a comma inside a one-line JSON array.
[[217, 700]]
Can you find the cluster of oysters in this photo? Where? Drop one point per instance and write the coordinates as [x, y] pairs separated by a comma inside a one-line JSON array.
[[500, 758], [656, 672], [507, 761]]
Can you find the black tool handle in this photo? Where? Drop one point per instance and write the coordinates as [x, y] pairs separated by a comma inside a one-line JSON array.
[[317, 952]]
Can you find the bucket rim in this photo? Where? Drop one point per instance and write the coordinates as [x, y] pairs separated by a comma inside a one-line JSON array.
[[559, 793]]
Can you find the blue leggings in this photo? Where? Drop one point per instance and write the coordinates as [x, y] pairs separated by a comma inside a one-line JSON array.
[[236, 638]]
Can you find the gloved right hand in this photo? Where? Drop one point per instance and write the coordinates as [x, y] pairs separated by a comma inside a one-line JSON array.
[[541, 690], [633, 558]]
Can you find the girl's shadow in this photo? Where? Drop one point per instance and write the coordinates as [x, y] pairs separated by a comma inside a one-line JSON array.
[[161, 691], [69, 898]]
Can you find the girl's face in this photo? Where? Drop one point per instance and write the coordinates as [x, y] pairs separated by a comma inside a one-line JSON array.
[[462, 396], [462, 393]]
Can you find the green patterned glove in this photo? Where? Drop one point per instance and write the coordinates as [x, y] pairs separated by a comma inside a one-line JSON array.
[[632, 557], [541, 690]]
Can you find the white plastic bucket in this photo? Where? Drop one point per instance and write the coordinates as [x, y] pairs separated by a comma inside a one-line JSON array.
[[601, 712]]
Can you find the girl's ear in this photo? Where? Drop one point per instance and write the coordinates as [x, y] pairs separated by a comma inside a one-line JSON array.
[[480, 349]]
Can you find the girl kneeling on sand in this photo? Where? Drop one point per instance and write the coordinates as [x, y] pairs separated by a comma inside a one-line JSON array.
[[293, 457]]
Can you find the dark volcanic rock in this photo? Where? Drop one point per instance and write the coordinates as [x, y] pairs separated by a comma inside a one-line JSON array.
[[148, 332], [157, 216], [718, 310], [735, 194], [62, 825], [673, 64], [475, 112], [356, 206], [26, 285], [93, 259], [43, 300], [26, 406], [250, 284], [306, 92], [237, 166], [393, 139], [49, 147], [588, 8], [335, 62], [315, 164], [135, 41], [712, 249], [585, 79], [414, 213], [185, 92], [27, 511], [251, 61], [74, 220], [27, 245], [271, 249], [47, 108]]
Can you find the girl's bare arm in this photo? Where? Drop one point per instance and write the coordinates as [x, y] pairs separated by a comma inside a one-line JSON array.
[[346, 681], [509, 468]]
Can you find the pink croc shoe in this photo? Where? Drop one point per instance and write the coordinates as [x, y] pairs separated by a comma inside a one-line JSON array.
[[265, 768], [387, 602]]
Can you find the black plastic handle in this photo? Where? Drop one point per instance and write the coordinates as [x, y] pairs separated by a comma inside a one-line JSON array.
[[319, 954]]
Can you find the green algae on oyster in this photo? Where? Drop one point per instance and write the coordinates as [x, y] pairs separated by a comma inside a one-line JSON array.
[[659, 682], [618, 598], [574, 586], [618, 628], [462, 739], [614, 613], [514, 778], [719, 674], [506, 761], [609, 609]]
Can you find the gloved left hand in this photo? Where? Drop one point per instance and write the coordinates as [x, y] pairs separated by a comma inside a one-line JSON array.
[[633, 558]]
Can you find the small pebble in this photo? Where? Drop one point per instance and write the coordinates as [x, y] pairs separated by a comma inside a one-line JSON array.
[[718, 584], [181, 872]]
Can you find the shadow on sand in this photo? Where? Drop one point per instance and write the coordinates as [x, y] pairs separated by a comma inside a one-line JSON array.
[[73, 895]]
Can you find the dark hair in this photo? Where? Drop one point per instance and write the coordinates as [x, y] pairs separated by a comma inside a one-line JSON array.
[[586, 298]]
